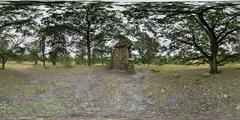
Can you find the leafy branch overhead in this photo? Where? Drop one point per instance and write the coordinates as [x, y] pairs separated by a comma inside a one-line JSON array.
[[207, 28], [202, 30]]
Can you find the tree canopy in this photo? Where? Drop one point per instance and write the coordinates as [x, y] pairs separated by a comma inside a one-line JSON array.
[[207, 31], [204, 31]]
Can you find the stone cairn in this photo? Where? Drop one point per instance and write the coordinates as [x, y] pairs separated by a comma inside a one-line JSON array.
[[121, 60]]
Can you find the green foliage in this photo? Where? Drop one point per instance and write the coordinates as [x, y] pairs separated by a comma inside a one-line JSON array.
[[199, 30], [15, 17], [66, 59], [80, 61], [146, 46], [5, 50], [90, 24], [195, 31], [161, 60]]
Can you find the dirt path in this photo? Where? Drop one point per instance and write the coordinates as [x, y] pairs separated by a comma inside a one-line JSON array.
[[108, 93], [95, 94]]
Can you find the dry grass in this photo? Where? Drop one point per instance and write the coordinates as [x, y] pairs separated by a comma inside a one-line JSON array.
[[176, 88], [192, 91]]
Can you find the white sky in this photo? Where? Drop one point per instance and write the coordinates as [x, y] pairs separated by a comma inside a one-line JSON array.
[[129, 0], [142, 0]]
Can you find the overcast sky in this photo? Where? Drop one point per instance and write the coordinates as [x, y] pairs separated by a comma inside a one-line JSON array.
[[155, 0], [125, 0]]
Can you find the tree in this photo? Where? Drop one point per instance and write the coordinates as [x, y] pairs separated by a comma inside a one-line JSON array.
[[53, 33], [57, 42], [100, 52], [37, 49], [34, 54], [79, 58], [6, 47], [92, 22], [14, 17], [206, 28], [146, 46], [4, 51]]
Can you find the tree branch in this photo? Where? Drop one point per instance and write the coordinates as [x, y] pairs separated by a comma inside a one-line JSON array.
[[14, 23], [198, 47], [228, 57], [219, 42], [208, 29], [226, 26]]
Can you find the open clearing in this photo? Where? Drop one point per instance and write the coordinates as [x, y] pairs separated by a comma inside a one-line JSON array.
[[172, 92]]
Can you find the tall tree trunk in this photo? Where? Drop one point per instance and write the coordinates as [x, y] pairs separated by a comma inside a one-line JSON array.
[[3, 65], [53, 57], [148, 62], [44, 60], [93, 57], [102, 59], [213, 43], [44, 63], [4, 61], [89, 53], [54, 62], [36, 62], [213, 59], [43, 47], [88, 38], [82, 56], [143, 60], [213, 65]]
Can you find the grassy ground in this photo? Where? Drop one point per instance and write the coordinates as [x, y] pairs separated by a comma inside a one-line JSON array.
[[154, 92], [196, 90]]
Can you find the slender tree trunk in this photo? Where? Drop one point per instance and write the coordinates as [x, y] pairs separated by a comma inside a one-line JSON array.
[[89, 52], [3, 65], [4, 61], [43, 47], [44, 61], [93, 57], [35, 62], [148, 62], [53, 57], [102, 59], [82, 56], [54, 63], [143, 60], [88, 38]]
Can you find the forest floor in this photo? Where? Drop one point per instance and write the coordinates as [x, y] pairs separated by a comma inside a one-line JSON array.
[[167, 92]]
